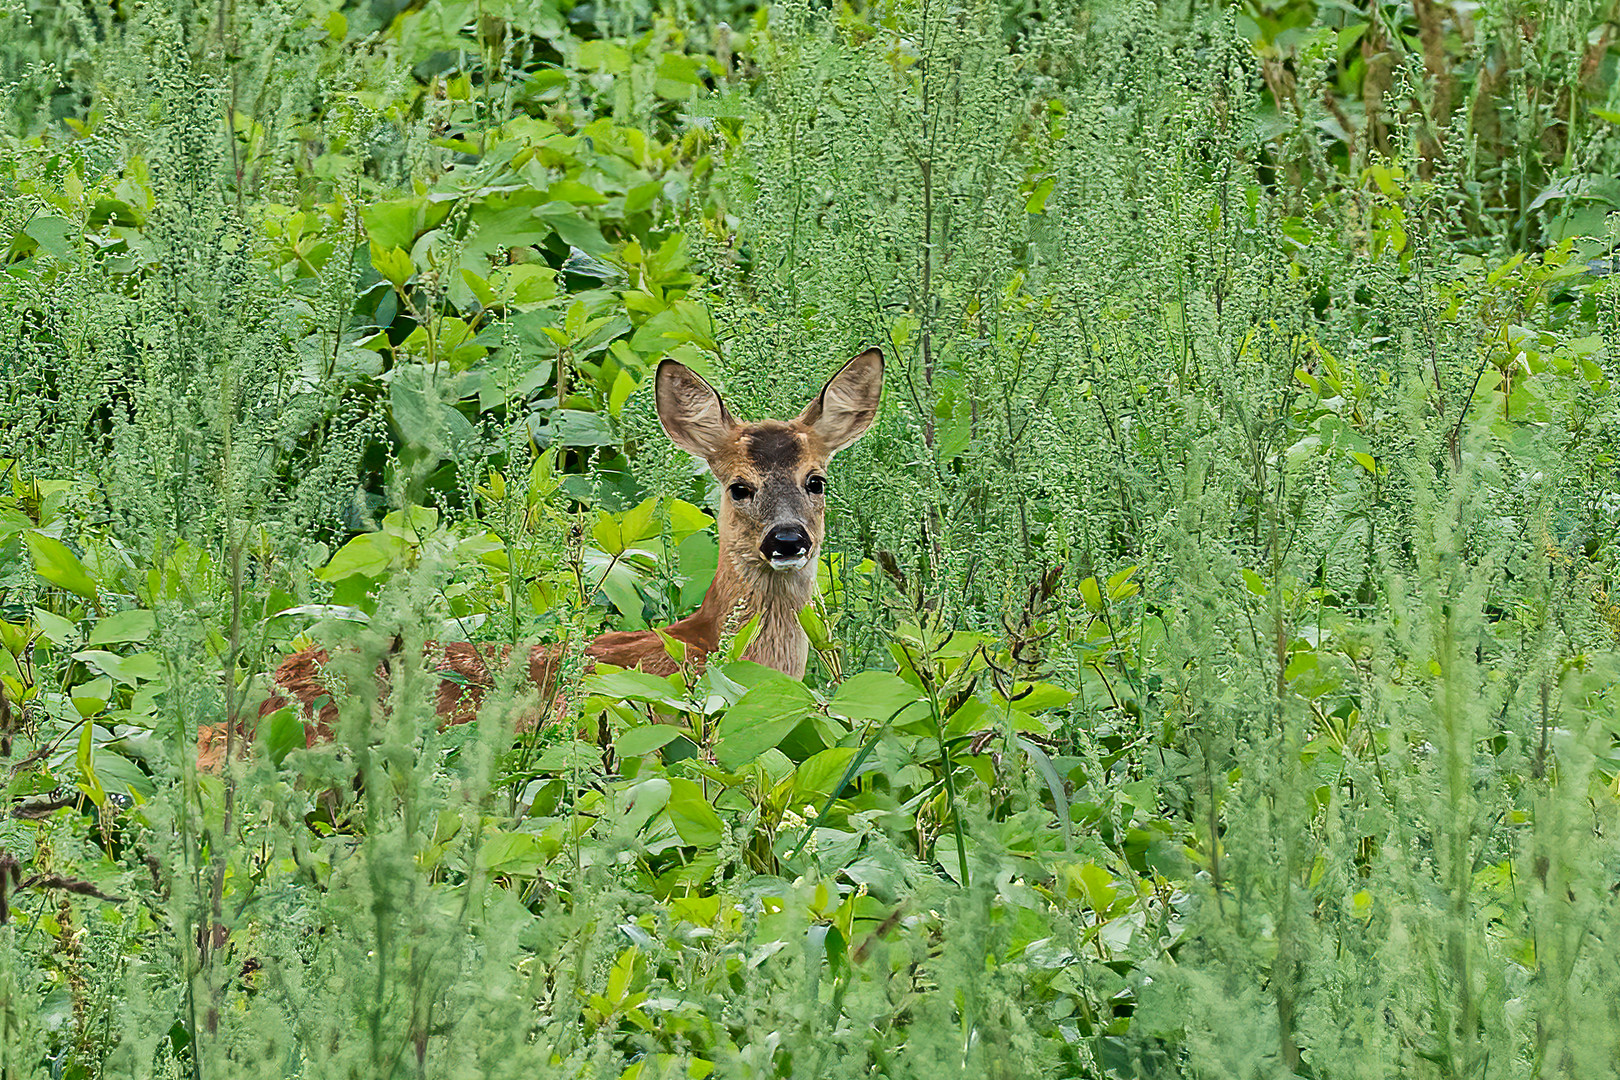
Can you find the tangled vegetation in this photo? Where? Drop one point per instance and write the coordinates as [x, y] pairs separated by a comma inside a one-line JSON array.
[[1214, 667]]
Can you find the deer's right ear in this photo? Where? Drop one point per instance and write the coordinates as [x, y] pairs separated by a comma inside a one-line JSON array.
[[691, 411]]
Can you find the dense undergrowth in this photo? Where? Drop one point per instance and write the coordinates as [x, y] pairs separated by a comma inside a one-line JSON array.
[[1215, 656]]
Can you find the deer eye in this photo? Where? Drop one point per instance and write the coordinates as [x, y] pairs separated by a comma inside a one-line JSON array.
[[740, 491], [816, 485]]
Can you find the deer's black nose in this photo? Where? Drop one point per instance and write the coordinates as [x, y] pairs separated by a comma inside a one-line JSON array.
[[785, 544]]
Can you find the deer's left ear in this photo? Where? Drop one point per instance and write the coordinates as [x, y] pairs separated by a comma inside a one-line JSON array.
[[691, 411], [848, 404]]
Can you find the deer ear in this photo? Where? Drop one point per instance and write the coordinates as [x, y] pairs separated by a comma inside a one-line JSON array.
[[848, 404], [691, 411]]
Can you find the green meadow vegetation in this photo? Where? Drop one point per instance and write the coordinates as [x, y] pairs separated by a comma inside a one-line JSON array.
[[1214, 670]]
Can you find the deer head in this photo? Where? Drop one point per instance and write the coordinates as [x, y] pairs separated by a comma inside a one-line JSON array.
[[773, 477]]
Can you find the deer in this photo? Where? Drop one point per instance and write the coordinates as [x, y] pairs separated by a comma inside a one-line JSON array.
[[772, 521]]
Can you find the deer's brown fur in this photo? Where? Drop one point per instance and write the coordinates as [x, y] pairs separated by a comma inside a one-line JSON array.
[[771, 525]]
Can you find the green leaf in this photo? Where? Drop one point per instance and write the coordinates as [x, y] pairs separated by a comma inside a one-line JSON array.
[[761, 719], [634, 686], [1092, 595], [677, 77], [639, 803], [1120, 585], [743, 638], [624, 384], [130, 670], [134, 625], [57, 630], [694, 819], [283, 734], [57, 564], [820, 772], [394, 264], [119, 775], [572, 191], [397, 223], [873, 695], [575, 229], [603, 56], [516, 853], [89, 783], [1037, 201], [578, 427], [370, 554], [570, 756], [504, 222], [52, 234], [641, 196], [1054, 784], [645, 739]]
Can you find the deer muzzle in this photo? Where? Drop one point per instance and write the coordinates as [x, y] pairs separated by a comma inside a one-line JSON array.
[[786, 547]]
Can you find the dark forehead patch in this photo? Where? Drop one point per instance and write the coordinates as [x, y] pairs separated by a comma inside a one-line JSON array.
[[775, 448]]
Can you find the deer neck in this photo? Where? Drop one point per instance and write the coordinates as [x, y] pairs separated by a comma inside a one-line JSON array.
[[776, 597]]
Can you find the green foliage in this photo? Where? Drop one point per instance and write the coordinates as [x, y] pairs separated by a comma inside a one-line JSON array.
[[1216, 646]]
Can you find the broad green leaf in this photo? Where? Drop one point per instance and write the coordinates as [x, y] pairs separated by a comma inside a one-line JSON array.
[[694, 819], [397, 223], [576, 427], [572, 191], [135, 624], [634, 686], [90, 698], [570, 755], [394, 264], [815, 628], [641, 196], [674, 647], [603, 56], [511, 853], [1092, 595], [57, 564], [645, 739], [873, 695], [1097, 885], [677, 77], [480, 288], [57, 630], [370, 554], [527, 283], [624, 384], [53, 234], [121, 776], [743, 638], [283, 733], [574, 229], [640, 802], [619, 579], [141, 667], [504, 222], [761, 719], [819, 773]]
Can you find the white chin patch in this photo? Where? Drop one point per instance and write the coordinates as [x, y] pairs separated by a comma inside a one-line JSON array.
[[797, 562]]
